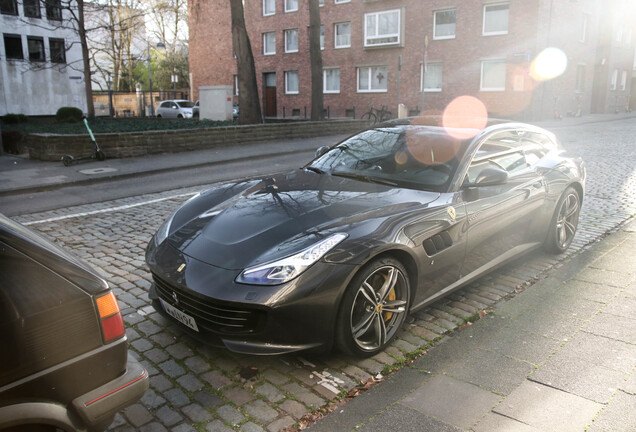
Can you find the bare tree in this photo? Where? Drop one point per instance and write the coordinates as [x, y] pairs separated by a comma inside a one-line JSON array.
[[169, 22], [315, 57], [250, 112]]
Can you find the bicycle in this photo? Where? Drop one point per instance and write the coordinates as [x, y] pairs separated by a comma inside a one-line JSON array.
[[375, 115]]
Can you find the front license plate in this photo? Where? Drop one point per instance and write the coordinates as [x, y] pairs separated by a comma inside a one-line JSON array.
[[182, 317]]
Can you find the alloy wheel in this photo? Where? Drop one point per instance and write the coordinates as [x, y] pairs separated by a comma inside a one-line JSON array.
[[567, 220]]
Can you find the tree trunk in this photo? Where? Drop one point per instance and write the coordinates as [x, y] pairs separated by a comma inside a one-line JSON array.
[[249, 102], [81, 30], [315, 57]]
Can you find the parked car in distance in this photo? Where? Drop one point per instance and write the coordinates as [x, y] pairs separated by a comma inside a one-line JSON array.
[[235, 111], [64, 363], [338, 252], [175, 109], [195, 110]]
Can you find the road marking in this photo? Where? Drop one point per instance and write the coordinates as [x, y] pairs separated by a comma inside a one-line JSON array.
[[109, 209]]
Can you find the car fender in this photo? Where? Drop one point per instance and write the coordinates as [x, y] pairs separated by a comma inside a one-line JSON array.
[[39, 413]]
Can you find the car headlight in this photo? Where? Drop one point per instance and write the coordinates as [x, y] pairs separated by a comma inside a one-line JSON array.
[[286, 269], [162, 232]]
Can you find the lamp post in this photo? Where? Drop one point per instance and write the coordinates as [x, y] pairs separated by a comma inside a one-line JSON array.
[[175, 79], [111, 112], [152, 104]]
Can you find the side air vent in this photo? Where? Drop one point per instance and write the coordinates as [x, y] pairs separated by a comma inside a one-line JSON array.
[[437, 243]]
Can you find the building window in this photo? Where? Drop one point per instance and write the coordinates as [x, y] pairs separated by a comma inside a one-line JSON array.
[[291, 5], [322, 37], [628, 37], [269, 43], [584, 23], [493, 75], [36, 49], [614, 80], [321, 3], [331, 80], [31, 8], [13, 47], [342, 33], [444, 24], [54, 9], [619, 35], [9, 7], [372, 79], [580, 79], [623, 80], [291, 41], [382, 28], [58, 50], [291, 82], [432, 78], [269, 7], [341, 1], [496, 19]]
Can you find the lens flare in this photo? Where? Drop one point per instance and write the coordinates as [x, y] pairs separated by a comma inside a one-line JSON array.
[[464, 117], [549, 64]]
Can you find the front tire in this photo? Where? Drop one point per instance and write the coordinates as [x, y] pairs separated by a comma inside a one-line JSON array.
[[373, 308], [564, 222]]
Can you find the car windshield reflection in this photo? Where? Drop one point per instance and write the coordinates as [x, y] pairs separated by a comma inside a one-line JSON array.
[[422, 158]]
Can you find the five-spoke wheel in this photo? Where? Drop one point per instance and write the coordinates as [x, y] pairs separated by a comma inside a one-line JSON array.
[[564, 222], [374, 307]]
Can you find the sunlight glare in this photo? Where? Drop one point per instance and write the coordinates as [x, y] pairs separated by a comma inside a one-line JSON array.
[[465, 117], [549, 64]]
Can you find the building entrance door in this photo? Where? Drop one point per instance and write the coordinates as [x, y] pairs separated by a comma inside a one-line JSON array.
[[270, 94]]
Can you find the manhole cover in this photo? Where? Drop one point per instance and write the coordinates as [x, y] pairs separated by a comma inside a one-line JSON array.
[[98, 171]]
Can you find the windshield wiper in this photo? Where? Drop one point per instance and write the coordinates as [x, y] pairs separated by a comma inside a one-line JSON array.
[[364, 178], [314, 169]]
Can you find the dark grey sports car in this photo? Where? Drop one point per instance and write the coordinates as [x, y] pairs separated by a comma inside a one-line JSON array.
[[382, 224]]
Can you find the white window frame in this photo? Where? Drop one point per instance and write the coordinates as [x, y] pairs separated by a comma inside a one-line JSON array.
[[287, 91], [614, 80], [435, 37], [584, 27], [579, 83], [285, 33], [324, 81], [481, 76], [236, 91], [321, 3], [422, 76], [377, 22], [290, 10], [623, 80], [335, 37], [322, 37], [494, 33], [264, 10], [341, 1], [369, 89], [265, 52]]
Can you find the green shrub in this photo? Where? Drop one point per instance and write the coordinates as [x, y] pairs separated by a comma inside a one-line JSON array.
[[69, 115], [11, 141], [14, 118]]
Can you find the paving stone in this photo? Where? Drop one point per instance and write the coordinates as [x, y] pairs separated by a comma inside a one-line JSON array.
[[260, 411], [293, 408], [138, 415], [163, 339], [441, 396], [217, 426], [613, 327], [141, 345], [618, 415], [197, 364], [156, 355], [179, 351], [172, 368], [208, 399], [280, 424], [371, 366], [176, 397], [230, 414], [497, 423], [216, 379], [190, 383], [148, 327], [153, 427], [160, 383], [404, 419], [275, 377], [251, 427], [196, 413], [270, 392], [358, 374], [151, 399], [304, 395], [547, 408], [238, 395], [522, 345], [168, 416]]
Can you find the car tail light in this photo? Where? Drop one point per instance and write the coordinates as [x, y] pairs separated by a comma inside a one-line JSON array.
[[110, 316]]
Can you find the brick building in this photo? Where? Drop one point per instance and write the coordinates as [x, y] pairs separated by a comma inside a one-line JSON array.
[[375, 51]]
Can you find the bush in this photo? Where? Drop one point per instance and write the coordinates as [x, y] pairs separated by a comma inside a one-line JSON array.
[[11, 141], [69, 115], [14, 118]]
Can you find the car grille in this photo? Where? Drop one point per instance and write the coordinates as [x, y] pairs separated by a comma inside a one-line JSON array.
[[212, 316]]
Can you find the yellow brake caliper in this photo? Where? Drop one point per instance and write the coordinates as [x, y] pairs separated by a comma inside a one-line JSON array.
[[391, 297]]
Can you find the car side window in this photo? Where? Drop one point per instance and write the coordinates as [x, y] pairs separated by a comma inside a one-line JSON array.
[[503, 150], [536, 146]]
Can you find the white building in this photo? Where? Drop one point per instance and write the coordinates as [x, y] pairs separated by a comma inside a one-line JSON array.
[[41, 67]]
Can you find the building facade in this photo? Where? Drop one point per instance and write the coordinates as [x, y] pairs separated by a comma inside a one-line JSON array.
[[524, 59], [41, 67]]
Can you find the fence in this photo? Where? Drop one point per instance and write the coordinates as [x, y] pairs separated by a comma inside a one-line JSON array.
[[132, 104]]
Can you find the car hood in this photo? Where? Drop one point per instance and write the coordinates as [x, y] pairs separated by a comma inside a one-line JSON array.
[[280, 215]]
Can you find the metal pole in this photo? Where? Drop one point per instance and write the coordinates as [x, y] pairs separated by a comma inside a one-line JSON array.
[[110, 98], [152, 105]]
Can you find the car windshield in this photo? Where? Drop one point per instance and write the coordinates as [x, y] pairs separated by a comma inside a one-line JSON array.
[[185, 104], [414, 157]]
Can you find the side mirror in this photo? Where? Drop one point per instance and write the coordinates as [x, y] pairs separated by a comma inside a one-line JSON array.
[[322, 150], [490, 177]]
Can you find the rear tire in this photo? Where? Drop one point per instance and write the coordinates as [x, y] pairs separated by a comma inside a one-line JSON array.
[[373, 308], [564, 222]]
